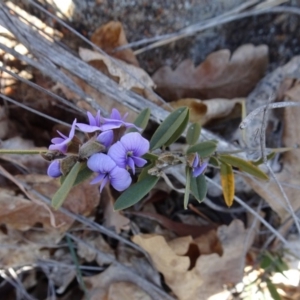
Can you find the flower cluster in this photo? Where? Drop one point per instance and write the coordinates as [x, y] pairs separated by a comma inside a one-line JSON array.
[[107, 155]]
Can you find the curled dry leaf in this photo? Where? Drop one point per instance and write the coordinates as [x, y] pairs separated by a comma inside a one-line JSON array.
[[128, 76], [209, 273], [218, 76], [203, 111], [19, 213], [15, 251], [290, 164], [110, 36]]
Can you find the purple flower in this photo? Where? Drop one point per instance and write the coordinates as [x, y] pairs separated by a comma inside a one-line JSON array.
[[61, 143], [108, 171], [128, 151], [95, 123], [198, 167], [54, 169], [116, 121], [106, 138]]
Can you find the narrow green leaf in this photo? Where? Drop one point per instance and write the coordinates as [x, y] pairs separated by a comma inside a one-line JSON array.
[[199, 187], [150, 156], [227, 182], [193, 133], [142, 120], [244, 165], [272, 289], [168, 128], [266, 261], [204, 149], [62, 193], [83, 174], [144, 172], [177, 134], [261, 160], [214, 161], [188, 172], [136, 192]]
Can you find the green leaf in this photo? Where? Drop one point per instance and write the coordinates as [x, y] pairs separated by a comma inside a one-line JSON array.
[[144, 172], [214, 161], [83, 174], [168, 129], [177, 134], [266, 261], [136, 192], [199, 187], [204, 149], [244, 165], [193, 133], [261, 160], [272, 289], [150, 156], [188, 172], [62, 193], [227, 182], [142, 120]]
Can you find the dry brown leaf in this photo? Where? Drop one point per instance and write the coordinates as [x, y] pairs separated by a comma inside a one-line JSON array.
[[16, 251], [101, 286], [210, 273], [203, 111], [219, 76], [290, 172], [128, 76], [20, 213], [112, 219], [111, 36]]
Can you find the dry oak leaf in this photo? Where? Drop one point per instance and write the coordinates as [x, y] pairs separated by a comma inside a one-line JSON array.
[[219, 76], [128, 76], [110, 36], [210, 273], [290, 172], [22, 214], [15, 251], [204, 111]]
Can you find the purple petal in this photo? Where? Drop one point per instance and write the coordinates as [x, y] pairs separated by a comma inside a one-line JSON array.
[[109, 125], [72, 131], [136, 143], [199, 170], [118, 153], [54, 169], [62, 135], [196, 161], [130, 163], [87, 128], [100, 163], [103, 183], [115, 114], [139, 162], [59, 147], [120, 179], [106, 138], [97, 179], [57, 140]]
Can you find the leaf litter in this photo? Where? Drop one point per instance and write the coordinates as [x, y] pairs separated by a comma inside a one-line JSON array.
[[201, 259]]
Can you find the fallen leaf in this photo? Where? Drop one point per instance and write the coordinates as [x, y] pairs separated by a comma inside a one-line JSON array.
[[22, 214], [16, 251], [110, 36], [112, 219], [290, 172], [179, 228], [128, 76], [210, 273], [219, 76], [203, 111]]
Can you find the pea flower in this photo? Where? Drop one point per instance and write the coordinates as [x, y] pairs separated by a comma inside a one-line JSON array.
[[108, 171], [94, 123], [61, 143], [128, 151], [198, 167], [116, 121], [54, 169]]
